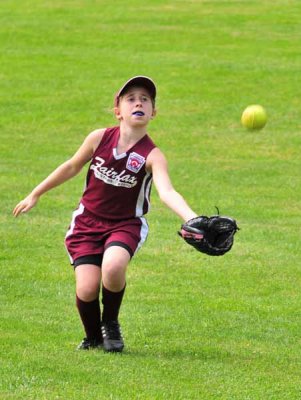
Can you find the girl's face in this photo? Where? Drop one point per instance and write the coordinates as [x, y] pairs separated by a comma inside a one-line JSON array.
[[135, 107]]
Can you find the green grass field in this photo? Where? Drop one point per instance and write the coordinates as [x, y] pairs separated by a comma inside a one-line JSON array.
[[195, 327]]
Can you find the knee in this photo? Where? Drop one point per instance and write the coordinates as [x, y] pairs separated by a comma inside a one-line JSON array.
[[114, 276], [87, 291]]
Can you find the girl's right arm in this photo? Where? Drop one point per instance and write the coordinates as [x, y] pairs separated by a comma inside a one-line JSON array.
[[65, 171]]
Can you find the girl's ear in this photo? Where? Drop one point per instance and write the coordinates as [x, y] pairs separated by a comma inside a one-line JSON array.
[[154, 113], [117, 113]]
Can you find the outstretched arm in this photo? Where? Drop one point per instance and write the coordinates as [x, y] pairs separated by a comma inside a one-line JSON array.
[[64, 172], [156, 162]]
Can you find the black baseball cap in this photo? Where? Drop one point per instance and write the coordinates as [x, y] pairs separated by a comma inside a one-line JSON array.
[[140, 80]]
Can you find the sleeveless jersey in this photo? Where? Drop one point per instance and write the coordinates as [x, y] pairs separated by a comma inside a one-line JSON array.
[[118, 186]]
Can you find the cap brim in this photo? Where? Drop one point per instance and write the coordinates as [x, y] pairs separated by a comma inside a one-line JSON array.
[[140, 80]]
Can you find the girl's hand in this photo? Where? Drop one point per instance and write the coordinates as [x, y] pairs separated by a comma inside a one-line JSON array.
[[25, 205]]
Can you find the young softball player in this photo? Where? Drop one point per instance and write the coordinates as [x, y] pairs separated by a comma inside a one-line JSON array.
[[109, 225]]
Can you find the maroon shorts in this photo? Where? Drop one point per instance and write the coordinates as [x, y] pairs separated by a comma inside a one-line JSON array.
[[90, 235]]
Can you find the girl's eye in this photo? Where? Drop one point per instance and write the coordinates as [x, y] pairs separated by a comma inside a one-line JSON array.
[[143, 98]]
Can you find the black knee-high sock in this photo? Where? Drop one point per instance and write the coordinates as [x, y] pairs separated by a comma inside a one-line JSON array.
[[90, 315], [111, 304]]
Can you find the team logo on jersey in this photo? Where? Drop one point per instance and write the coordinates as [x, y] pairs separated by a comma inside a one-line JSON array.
[[112, 177], [135, 162]]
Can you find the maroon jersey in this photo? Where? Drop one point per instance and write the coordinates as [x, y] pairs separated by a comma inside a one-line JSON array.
[[118, 186]]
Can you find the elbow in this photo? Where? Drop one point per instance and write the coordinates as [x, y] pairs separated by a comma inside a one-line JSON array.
[[71, 168], [163, 197], [166, 196]]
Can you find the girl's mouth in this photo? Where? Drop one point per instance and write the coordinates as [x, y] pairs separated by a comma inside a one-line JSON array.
[[138, 113]]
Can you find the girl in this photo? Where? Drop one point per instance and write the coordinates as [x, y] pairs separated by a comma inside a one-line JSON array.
[[109, 225]]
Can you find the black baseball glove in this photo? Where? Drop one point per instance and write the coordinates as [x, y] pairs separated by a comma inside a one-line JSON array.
[[211, 235]]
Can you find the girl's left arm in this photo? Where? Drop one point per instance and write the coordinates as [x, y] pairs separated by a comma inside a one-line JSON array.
[[157, 164]]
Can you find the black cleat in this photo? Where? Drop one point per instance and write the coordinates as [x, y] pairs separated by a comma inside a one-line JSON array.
[[87, 344], [112, 337]]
